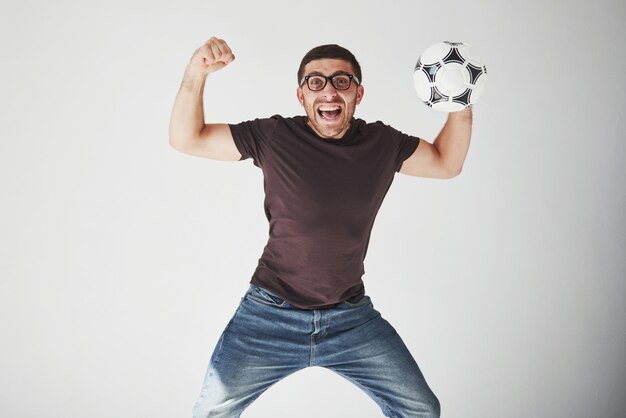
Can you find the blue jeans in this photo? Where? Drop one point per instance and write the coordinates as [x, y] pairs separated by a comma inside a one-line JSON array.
[[268, 339]]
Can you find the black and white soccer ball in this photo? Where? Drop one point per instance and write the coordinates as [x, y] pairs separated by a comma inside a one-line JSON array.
[[449, 76]]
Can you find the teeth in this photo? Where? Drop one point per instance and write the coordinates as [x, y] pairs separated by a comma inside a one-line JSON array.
[[328, 108]]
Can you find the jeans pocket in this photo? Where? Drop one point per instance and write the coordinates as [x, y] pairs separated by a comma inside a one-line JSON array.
[[261, 295]]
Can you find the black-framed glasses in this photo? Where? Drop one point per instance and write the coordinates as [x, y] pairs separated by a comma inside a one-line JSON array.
[[339, 81]]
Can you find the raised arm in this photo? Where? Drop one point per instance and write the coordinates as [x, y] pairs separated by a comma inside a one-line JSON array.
[[445, 157], [188, 133]]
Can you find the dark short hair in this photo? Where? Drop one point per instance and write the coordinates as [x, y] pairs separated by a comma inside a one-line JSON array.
[[331, 51]]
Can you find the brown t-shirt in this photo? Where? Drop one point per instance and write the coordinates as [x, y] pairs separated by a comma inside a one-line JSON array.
[[321, 198]]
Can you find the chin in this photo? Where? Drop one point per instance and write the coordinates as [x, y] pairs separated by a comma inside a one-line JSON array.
[[329, 132]]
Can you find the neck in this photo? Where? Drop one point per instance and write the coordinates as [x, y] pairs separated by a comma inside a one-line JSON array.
[[338, 135]]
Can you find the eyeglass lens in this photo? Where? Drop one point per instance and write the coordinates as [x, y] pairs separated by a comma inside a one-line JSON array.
[[339, 81]]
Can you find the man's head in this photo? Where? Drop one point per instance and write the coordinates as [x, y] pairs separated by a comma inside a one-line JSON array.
[[329, 88], [330, 51]]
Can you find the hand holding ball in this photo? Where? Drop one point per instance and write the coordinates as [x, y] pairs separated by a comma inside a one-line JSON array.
[[449, 76]]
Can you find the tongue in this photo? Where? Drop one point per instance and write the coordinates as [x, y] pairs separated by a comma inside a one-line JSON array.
[[329, 114]]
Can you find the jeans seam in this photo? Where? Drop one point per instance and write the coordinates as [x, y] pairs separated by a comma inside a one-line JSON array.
[[220, 341], [316, 318]]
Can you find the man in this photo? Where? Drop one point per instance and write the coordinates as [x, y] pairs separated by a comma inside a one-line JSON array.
[[325, 176]]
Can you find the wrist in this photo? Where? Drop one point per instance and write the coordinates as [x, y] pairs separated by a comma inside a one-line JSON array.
[[194, 80], [194, 73], [463, 114]]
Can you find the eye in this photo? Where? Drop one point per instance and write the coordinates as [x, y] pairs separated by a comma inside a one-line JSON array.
[[316, 82], [341, 81]]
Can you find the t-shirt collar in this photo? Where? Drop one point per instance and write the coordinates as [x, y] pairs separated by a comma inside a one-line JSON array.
[[344, 138]]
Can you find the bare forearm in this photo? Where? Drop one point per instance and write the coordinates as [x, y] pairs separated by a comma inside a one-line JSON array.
[[187, 120], [188, 114], [453, 141]]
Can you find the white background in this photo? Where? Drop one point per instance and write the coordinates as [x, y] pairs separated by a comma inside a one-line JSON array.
[[121, 260]]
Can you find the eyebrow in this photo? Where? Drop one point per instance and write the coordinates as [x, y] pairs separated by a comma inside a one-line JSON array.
[[333, 74]]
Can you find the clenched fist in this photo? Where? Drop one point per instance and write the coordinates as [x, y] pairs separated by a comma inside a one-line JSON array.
[[214, 55]]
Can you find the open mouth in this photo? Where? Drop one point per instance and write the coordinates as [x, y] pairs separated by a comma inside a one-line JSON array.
[[329, 112]]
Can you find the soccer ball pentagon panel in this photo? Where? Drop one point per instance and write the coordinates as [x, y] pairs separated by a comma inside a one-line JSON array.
[[449, 76]]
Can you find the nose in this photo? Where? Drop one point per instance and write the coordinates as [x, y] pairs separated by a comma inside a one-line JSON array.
[[329, 90]]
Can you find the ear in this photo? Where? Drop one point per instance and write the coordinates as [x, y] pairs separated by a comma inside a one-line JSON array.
[[300, 96], [359, 94]]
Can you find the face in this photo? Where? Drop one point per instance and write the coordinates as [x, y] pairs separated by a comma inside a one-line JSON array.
[[329, 110]]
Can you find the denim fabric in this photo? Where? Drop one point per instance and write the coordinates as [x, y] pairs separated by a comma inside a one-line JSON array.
[[267, 339]]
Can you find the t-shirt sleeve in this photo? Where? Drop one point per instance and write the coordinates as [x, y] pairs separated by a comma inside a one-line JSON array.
[[252, 138], [406, 146]]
